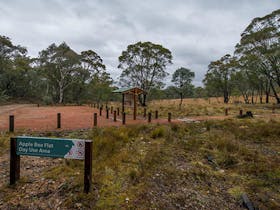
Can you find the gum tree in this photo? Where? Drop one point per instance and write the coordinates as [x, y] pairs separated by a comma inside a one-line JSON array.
[[144, 65]]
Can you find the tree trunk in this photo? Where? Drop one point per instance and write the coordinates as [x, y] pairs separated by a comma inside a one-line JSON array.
[[181, 102], [266, 97], [226, 97], [275, 94], [61, 92]]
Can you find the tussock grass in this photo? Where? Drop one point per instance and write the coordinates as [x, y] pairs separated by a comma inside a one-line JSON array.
[[167, 166]]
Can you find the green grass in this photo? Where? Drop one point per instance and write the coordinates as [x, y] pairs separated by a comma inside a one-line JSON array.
[[166, 166]]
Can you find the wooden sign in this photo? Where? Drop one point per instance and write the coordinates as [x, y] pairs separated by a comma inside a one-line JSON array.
[[51, 147]]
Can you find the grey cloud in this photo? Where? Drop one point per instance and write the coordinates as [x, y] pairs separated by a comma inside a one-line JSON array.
[[196, 31]]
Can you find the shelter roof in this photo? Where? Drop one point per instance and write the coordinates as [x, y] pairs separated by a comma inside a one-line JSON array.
[[129, 90]]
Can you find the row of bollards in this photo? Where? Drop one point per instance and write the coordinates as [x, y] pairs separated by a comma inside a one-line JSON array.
[[115, 112]]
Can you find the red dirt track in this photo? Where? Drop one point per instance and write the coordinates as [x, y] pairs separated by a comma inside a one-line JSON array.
[[32, 118]]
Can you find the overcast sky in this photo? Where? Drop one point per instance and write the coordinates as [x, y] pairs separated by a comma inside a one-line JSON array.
[[196, 31]]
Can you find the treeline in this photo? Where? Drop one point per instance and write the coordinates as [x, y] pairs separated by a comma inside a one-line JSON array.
[[61, 75], [254, 69], [57, 75]]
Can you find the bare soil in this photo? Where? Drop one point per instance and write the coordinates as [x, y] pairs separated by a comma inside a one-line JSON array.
[[33, 118]]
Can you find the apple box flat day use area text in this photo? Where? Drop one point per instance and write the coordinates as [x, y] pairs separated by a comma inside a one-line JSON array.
[[51, 147]]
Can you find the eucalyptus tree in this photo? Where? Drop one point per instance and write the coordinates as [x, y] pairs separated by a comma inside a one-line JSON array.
[[182, 78], [260, 45], [217, 79], [143, 65], [60, 65], [18, 77]]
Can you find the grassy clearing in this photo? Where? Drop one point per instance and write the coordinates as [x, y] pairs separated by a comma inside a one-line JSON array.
[[204, 165], [166, 166], [203, 107]]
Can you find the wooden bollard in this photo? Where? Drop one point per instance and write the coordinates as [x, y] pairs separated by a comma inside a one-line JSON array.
[[58, 120], [169, 117], [240, 112], [11, 123], [156, 114], [107, 113], [149, 117], [100, 111], [88, 167], [118, 111], [95, 119], [14, 162], [226, 111], [145, 112], [115, 116], [123, 118], [112, 109]]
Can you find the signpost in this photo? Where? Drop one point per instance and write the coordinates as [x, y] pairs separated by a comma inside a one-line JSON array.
[[51, 147]]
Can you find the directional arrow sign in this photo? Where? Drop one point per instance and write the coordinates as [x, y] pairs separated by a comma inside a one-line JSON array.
[[50, 147]]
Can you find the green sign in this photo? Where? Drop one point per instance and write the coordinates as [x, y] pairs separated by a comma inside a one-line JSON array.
[[50, 147]]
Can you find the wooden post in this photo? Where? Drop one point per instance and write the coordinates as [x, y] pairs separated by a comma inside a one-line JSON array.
[[107, 113], [273, 108], [169, 117], [94, 105], [226, 111], [58, 120], [123, 103], [134, 105], [145, 112], [115, 116], [118, 111], [123, 118], [11, 123], [88, 166], [240, 112], [149, 117], [98, 106], [156, 114], [112, 108], [14, 162], [100, 111], [95, 119]]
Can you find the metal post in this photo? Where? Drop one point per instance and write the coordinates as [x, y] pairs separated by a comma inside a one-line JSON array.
[[149, 117], [11, 123], [88, 167], [14, 162], [95, 119], [58, 120], [115, 116], [169, 117]]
